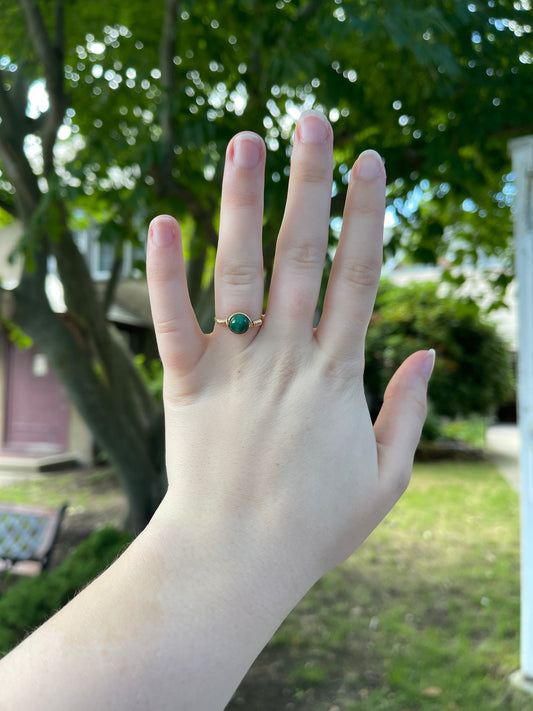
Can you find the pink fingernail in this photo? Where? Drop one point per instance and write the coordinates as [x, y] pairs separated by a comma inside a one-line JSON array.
[[369, 165], [162, 230], [247, 150], [313, 127], [429, 363]]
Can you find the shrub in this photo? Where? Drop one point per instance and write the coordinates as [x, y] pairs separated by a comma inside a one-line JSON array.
[[473, 373], [31, 601]]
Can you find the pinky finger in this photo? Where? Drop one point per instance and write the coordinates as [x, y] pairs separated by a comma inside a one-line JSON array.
[[400, 421], [180, 340]]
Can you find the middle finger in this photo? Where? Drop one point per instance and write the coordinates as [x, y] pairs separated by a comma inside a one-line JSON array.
[[303, 237]]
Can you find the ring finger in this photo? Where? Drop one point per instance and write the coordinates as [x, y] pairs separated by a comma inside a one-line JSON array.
[[239, 261]]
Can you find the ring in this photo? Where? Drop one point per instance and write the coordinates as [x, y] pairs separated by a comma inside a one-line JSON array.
[[239, 322]]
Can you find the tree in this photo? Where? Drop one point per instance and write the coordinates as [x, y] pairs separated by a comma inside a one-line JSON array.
[[141, 106]]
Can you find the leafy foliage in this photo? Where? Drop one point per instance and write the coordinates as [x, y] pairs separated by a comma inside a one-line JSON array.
[[110, 114], [152, 374], [473, 373], [438, 90]]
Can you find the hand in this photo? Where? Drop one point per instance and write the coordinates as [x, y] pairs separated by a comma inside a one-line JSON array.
[[270, 446], [275, 472]]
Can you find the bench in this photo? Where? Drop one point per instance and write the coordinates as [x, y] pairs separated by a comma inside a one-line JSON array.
[[27, 536]]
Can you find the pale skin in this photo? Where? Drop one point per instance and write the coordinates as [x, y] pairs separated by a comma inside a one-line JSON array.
[[276, 474]]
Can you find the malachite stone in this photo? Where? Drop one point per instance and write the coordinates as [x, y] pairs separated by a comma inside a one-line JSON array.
[[239, 323]]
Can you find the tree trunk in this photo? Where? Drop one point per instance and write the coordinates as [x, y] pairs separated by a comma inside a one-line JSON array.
[[131, 435]]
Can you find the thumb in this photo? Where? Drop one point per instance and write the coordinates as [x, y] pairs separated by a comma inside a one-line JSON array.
[[400, 420]]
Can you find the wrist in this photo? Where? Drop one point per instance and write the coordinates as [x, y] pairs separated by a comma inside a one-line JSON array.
[[242, 566], [225, 597]]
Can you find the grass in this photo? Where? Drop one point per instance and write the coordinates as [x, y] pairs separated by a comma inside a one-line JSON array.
[[472, 431], [80, 488], [425, 616]]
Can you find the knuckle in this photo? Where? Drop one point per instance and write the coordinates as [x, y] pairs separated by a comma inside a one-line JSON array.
[[344, 374], [362, 274], [236, 273], [165, 326], [157, 273], [369, 209], [417, 399], [310, 172], [242, 197], [305, 255]]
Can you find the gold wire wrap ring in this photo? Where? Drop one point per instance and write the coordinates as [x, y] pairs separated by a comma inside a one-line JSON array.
[[240, 322]]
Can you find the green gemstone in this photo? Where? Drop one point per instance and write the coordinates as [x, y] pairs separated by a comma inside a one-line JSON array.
[[239, 323]]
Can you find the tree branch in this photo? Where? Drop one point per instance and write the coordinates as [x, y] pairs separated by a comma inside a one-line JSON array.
[[167, 47], [41, 42], [51, 57]]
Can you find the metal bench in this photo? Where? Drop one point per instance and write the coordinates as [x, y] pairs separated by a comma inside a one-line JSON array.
[[27, 536]]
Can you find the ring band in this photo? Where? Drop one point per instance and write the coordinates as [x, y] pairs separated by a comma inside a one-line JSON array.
[[239, 322]]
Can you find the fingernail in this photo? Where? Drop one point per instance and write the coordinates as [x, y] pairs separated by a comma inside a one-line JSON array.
[[247, 150], [369, 165], [427, 366], [163, 230], [313, 127]]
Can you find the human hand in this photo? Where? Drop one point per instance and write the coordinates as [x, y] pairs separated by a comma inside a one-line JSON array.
[[275, 471], [270, 447]]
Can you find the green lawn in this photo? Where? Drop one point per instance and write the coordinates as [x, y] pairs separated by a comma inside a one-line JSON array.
[[80, 488], [424, 616]]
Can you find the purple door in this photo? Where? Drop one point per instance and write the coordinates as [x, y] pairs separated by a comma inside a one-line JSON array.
[[36, 406]]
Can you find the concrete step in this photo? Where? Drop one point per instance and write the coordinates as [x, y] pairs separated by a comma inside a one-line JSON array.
[[10, 462]]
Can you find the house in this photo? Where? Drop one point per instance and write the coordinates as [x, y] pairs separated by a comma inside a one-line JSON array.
[[39, 426]]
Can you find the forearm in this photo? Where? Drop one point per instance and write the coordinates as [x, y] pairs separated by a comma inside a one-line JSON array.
[[172, 617]]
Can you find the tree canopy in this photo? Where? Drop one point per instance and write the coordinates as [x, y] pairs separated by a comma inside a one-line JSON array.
[[154, 97], [110, 113]]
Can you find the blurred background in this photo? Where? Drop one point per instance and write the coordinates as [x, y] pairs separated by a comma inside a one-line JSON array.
[[111, 113]]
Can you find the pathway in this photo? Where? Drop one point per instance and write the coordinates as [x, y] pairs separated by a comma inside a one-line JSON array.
[[503, 448]]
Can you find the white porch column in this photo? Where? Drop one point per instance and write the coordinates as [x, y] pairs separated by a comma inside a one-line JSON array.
[[521, 150]]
